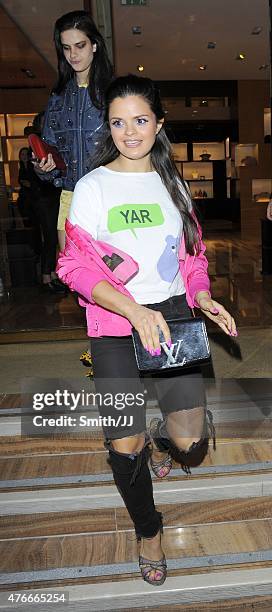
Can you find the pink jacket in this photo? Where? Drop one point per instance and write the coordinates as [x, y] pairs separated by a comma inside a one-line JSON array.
[[81, 268]]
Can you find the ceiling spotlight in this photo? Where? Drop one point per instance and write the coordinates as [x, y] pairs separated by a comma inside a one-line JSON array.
[[140, 68], [136, 29], [241, 57], [257, 30], [211, 45], [202, 67]]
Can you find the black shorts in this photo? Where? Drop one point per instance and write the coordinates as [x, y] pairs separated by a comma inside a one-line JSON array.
[[123, 391]]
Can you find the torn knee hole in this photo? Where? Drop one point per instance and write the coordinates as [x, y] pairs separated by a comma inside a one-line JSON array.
[[131, 451]]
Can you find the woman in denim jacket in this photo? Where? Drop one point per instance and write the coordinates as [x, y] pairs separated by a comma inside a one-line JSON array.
[[73, 120]]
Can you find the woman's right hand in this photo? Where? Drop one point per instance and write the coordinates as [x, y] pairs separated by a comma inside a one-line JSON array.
[[146, 321], [45, 165]]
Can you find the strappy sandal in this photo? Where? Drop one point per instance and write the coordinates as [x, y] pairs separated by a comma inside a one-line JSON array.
[[166, 463], [147, 566]]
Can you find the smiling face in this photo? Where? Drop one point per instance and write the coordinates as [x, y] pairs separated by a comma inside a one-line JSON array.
[[78, 52], [133, 127]]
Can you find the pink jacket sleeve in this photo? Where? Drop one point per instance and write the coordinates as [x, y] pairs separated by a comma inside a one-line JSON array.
[[198, 279], [80, 273], [194, 271]]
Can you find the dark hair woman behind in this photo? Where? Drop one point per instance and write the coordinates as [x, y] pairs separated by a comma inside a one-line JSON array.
[[74, 115], [101, 69]]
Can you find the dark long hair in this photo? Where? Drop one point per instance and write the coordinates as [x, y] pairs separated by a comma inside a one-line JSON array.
[[161, 153], [101, 69]]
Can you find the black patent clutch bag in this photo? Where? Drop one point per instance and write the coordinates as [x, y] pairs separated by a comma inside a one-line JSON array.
[[190, 346]]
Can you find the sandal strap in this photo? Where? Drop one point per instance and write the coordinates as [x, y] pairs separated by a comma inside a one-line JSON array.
[[153, 565], [156, 436], [157, 465], [153, 429]]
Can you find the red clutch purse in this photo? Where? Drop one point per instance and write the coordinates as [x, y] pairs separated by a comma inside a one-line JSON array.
[[41, 149]]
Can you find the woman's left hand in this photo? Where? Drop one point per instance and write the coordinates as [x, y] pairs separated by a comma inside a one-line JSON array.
[[216, 312]]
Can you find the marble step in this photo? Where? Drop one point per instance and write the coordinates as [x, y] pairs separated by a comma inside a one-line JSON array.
[[77, 555], [240, 408], [117, 519], [43, 335], [240, 419], [135, 594], [255, 392], [243, 604], [35, 470], [211, 528], [106, 496]]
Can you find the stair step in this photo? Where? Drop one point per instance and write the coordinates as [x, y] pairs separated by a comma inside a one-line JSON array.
[[189, 546], [81, 539], [238, 410], [255, 392], [43, 335], [251, 429], [257, 604], [15, 446], [125, 571], [117, 519], [107, 496], [25, 484], [195, 588], [38, 470], [120, 576]]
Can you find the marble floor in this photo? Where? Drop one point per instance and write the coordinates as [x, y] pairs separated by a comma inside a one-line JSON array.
[[29, 316], [237, 281], [235, 268], [247, 357]]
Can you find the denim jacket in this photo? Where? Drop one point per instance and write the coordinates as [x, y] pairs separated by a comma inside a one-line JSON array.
[[72, 125], [82, 268]]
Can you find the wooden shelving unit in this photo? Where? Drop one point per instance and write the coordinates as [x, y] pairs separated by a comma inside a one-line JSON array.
[[208, 169], [12, 140]]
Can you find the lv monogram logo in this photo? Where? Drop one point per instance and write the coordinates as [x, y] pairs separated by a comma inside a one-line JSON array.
[[172, 353]]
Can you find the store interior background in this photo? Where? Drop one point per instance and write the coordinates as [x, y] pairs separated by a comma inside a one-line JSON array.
[[222, 110], [62, 523]]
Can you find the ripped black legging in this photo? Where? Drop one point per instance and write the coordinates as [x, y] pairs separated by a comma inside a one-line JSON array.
[[182, 402]]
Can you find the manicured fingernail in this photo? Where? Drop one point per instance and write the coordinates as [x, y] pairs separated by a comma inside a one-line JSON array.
[[235, 333], [158, 351], [215, 311], [152, 352], [146, 348], [169, 343]]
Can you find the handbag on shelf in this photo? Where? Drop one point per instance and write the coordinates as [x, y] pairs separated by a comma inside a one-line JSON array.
[[205, 156], [190, 346]]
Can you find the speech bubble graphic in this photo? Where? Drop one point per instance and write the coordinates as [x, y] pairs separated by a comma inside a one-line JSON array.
[[134, 216]]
